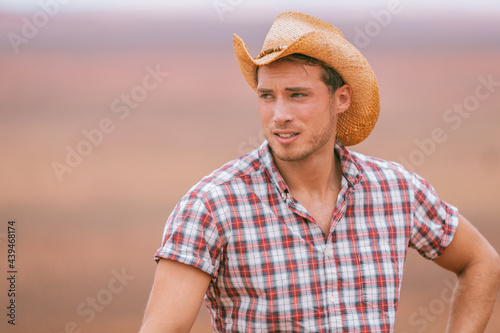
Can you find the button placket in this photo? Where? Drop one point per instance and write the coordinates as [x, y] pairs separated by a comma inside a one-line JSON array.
[[331, 274]]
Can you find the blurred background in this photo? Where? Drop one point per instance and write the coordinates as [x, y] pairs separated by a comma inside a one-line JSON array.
[[111, 110]]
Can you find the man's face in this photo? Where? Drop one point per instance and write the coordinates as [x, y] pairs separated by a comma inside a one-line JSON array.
[[297, 111]]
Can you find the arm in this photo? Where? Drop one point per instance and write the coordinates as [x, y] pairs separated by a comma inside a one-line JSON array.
[[477, 266], [175, 299]]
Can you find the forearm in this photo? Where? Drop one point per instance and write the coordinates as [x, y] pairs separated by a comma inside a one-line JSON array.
[[474, 298]]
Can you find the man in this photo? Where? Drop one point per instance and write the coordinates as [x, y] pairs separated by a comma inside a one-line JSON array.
[[303, 235]]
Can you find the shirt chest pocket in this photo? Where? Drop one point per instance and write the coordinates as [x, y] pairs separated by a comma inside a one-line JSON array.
[[380, 282]]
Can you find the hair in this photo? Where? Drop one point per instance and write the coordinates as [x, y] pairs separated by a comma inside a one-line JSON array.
[[330, 77]]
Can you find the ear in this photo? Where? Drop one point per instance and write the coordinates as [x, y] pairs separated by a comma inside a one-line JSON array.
[[342, 97]]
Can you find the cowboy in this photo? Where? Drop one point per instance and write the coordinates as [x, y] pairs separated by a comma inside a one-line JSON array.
[[302, 234]]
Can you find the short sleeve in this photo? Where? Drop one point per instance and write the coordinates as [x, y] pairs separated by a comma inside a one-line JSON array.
[[434, 221], [191, 236]]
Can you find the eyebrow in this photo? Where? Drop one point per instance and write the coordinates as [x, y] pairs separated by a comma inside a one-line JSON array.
[[292, 89], [295, 89]]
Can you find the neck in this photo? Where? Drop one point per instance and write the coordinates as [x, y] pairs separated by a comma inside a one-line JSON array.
[[318, 176]]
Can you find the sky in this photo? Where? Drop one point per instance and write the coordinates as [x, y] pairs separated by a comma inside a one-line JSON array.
[[104, 5]]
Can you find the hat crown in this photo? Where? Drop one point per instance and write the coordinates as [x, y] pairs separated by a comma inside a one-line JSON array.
[[290, 26]]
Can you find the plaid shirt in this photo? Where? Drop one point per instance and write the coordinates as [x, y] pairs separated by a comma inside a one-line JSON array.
[[274, 270]]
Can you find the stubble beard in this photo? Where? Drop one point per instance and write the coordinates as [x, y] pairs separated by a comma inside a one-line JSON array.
[[297, 154]]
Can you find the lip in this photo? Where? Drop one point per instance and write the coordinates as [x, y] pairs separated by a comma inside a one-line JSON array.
[[286, 141]]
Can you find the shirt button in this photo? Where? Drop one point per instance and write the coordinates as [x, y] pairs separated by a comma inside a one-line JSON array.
[[331, 299], [328, 252]]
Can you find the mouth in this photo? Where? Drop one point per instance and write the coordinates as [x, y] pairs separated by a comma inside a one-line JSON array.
[[286, 136]]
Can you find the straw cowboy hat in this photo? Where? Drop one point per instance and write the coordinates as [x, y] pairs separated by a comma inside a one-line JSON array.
[[294, 32]]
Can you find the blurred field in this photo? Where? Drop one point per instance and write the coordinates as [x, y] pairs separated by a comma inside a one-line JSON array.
[[106, 216]]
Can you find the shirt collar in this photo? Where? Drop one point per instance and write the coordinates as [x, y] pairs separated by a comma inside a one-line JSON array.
[[267, 163], [350, 170]]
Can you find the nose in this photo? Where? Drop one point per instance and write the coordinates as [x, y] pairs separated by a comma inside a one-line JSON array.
[[282, 112]]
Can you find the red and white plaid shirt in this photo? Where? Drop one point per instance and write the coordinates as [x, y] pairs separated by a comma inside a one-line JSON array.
[[273, 269]]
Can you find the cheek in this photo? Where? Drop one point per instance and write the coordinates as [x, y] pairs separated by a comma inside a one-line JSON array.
[[266, 114], [318, 117]]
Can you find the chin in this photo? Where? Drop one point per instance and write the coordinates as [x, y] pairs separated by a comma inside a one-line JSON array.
[[290, 154]]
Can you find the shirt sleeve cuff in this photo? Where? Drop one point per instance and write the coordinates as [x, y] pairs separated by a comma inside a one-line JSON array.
[[200, 263]]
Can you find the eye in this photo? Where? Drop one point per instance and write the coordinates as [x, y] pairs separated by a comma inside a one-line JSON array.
[[298, 95], [265, 96]]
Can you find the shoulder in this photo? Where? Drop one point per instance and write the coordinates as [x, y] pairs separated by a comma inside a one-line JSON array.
[[234, 172], [377, 173], [374, 169]]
